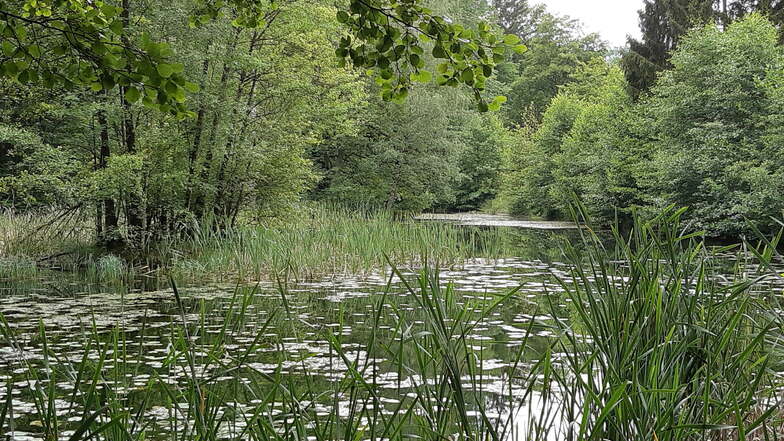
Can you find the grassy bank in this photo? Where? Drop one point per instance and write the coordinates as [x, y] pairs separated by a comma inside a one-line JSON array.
[[317, 241]]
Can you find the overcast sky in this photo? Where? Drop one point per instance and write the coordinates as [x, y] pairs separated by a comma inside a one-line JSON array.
[[612, 19]]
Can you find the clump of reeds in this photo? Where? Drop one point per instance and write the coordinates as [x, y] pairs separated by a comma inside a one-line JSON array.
[[43, 233], [659, 347], [43, 238], [327, 240], [320, 240]]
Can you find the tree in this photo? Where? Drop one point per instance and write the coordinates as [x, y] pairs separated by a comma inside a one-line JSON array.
[[556, 49], [432, 152], [732, 10], [599, 157], [712, 116], [266, 95], [403, 157], [663, 23], [42, 146], [518, 17], [530, 165], [88, 43], [580, 148], [484, 138]]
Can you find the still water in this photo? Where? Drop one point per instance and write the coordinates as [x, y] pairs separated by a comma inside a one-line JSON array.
[[285, 329]]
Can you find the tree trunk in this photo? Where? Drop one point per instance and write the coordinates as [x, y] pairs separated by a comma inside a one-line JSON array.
[[200, 201], [193, 155], [109, 234], [134, 212]]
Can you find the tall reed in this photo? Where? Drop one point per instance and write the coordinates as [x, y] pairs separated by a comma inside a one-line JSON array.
[[659, 347], [327, 241]]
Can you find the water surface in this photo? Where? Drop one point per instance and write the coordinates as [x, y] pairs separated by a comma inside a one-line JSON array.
[[281, 329]]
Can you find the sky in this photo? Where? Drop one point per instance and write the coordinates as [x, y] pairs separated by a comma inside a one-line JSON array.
[[612, 19]]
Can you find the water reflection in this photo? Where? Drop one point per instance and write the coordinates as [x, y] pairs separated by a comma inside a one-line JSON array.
[[280, 333]]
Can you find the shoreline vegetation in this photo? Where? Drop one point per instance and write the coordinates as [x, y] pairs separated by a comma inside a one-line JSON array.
[[654, 346], [318, 240]]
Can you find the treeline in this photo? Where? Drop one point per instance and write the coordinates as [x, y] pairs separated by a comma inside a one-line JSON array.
[[705, 135], [266, 95], [435, 152], [273, 115], [681, 117]]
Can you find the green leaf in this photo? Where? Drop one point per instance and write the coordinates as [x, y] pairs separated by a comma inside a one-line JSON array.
[[496, 104], [384, 45], [109, 10], [165, 70], [172, 88], [107, 81], [487, 70], [132, 94], [415, 60], [10, 68], [117, 27], [191, 87], [439, 52], [400, 96], [511, 39], [8, 48], [467, 76], [422, 76]]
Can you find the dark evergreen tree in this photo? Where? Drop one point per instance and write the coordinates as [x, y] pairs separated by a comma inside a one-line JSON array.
[[518, 17], [662, 22]]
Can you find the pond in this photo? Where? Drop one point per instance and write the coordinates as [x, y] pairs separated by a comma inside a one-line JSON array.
[[289, 330], [497, 220]]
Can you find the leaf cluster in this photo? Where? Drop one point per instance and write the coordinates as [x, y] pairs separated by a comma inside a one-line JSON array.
[[392, 38]]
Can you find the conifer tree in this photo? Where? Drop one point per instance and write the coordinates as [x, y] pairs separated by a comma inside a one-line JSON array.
[[518, 17], [733, 10], [662, 22]]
